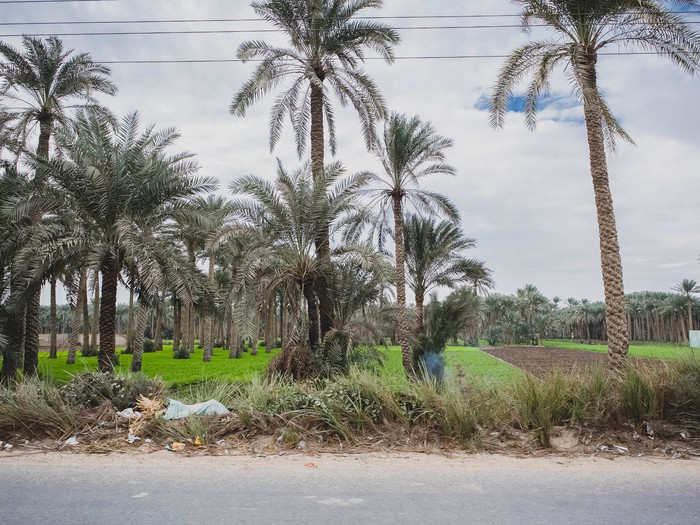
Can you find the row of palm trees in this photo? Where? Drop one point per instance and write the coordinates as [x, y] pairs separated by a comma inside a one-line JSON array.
[[651, 316], [111, 203], [109, 198]]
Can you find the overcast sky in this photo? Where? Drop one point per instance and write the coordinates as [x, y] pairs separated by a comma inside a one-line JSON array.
[[527, 197]]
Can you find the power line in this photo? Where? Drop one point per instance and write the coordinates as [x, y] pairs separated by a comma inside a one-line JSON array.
[[236, 31], [222, 20], [50, 1], [414, 57]]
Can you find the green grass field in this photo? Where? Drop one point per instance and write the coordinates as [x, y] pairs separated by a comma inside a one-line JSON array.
[[646, 350], [473, 361]]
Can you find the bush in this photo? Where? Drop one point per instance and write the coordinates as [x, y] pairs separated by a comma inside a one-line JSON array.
[[493, 336], [541, 404], [148, 346], [93, 388], [36, 408], [637, 396]]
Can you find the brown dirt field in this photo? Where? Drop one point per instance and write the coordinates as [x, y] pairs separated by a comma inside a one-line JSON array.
[[541, 360]]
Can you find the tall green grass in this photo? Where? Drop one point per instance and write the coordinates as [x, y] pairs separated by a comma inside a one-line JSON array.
[[348, 408]]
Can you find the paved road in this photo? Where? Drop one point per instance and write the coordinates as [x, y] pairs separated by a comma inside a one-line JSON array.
[[403, 489]]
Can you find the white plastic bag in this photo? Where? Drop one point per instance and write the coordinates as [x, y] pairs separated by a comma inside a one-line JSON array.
[[179, 410]]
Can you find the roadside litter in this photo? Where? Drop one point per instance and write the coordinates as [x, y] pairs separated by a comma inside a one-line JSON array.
[[176, 447], [178, 410]]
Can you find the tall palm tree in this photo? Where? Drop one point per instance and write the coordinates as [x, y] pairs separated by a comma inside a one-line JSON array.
[[433, 258], [583, 29], [43, 81], [688, 287], [411, 150], [119, 179], [327, 42]]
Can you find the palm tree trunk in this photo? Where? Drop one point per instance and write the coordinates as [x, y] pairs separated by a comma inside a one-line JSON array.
[[108, 312], [137, 358], [53, 348], [234, 350], [323, 241], [12, 354], [32, 324], [314, 328], [130, 322], [32, 328], [209, 320], [177, 326], [420, 299], [611, 262], [77, 321], [86, 319], [158, 330], [401, 317], [690, 315], [95, 314]]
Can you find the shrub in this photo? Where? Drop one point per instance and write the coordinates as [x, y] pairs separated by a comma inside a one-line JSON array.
[[36, 408], [93, 388], [541, 404], [493, 336], [637, 396], [148, 346], [682, 396]]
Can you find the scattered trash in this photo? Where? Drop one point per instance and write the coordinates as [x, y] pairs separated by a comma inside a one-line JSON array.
[[684, 435], [301, 445], [148, 440], [603, 448], [670, 451], [7, 446], [636, 436], [282, 453], [221, 442], [129, 413], [648, 430], [622, 450], [311, 465], [71, 441], [179, 410], [132, 439], [197, 442], [176, 447]]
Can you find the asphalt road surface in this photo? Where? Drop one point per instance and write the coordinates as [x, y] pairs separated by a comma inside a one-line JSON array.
[[392, 488]]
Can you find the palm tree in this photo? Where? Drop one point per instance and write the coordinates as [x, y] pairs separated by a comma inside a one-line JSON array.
[[286, 216], [433, 258], [42, 82], [688, 287], [411, 150], [583, 30], [327, 43], [119, 180]]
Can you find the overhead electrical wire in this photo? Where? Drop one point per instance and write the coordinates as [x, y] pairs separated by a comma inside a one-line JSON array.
[[234, 31], [399, 58], [221, 20]]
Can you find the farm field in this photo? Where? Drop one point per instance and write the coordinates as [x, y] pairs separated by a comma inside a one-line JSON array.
[[643, 350], [541, 360], [473, 361]]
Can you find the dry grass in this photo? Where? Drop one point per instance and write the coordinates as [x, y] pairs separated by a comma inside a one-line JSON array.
[[363, 407]]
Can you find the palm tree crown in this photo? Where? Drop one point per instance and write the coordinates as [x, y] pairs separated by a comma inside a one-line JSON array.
[[583, 28], [43, 81], [434, 258], [327, 43]]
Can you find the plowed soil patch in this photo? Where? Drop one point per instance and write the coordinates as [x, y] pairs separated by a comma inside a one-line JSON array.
[[541, 360]]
